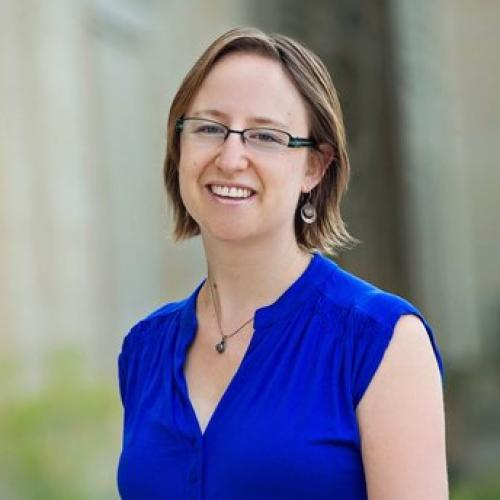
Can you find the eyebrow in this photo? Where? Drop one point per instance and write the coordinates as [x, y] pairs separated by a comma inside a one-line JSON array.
[[257, 120]]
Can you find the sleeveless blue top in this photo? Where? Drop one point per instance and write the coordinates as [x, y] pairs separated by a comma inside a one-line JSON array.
[[286, 427]]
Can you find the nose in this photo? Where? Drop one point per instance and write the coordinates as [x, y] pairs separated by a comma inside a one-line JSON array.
[[232, 154]]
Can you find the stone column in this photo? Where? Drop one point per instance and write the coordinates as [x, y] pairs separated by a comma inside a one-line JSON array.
[[435, 181]]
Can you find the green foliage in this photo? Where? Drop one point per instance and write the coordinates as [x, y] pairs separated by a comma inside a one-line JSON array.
[[62, 441], [486, 487]]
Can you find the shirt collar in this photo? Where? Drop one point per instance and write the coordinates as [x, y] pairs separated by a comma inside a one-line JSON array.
[[301, 290], [317, 271]]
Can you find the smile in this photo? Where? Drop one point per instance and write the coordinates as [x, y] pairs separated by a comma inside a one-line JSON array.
[[231, 191]]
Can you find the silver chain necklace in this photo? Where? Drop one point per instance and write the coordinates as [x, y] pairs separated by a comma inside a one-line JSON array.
[[220, 347]]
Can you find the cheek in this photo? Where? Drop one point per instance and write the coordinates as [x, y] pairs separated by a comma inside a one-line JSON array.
[[191, 165], [293, 184], [289, 182], [186, 181], [188, 170]]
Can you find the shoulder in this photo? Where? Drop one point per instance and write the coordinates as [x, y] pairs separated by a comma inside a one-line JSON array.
[[410, 353], [153, 324], [372, 319], [405, 399], [363, 300], [145, 341]]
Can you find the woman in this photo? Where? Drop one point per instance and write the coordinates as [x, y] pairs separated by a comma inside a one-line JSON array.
[[282, 375]]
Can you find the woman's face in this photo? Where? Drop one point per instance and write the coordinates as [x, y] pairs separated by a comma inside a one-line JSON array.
[[242, 91]]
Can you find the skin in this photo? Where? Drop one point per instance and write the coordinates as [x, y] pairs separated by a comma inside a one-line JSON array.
[[401, 420], [235, 93], [253, 256], [250, 247]]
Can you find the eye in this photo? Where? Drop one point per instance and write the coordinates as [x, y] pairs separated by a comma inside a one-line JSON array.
[[263, 137], [267, 137], [207, 128]]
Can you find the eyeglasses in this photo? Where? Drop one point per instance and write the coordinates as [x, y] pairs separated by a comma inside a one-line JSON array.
[[212, 133]]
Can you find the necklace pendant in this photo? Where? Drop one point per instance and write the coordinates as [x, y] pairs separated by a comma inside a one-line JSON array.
[[221, 346]]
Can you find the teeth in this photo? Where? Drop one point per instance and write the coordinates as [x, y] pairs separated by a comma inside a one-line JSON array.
[[231, 192]]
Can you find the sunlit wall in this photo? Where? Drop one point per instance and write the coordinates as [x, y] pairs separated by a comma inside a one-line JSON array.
[[85, 247]]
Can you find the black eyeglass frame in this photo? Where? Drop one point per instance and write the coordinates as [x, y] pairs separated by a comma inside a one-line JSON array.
[[293, 142]]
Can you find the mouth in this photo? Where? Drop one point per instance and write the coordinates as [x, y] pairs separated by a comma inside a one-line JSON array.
[[230, 192]]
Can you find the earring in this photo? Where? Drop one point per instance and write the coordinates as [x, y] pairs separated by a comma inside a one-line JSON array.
[[308, 211]]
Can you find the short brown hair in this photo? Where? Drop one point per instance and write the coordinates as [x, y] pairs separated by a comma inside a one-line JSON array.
[[311, 78]]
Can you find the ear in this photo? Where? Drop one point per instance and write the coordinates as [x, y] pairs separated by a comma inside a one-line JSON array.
[[318, 163]]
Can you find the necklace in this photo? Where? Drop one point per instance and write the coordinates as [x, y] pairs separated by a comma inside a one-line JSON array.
[[220, 347]]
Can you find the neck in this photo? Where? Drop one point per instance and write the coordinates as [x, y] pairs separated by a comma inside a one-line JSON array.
[[251, 276]]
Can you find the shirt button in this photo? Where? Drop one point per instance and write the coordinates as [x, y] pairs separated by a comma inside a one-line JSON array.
[[193, 476]]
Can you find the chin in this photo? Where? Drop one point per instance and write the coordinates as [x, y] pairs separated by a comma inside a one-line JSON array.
[[229, 231], [229, 235]]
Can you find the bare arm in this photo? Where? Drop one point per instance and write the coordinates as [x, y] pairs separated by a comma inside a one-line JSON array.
[[401, 420]]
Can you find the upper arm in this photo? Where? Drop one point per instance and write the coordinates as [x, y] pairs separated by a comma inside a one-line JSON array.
[[122, 375], [401, 420]]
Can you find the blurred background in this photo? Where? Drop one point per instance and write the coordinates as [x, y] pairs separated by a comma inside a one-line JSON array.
[[85, 246]]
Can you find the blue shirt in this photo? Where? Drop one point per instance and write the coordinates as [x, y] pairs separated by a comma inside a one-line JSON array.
[[286, 427]]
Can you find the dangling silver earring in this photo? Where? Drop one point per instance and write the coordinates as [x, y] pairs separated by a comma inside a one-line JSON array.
[[308, 211]]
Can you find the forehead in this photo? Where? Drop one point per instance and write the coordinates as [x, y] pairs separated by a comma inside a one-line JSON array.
[[243, 86]]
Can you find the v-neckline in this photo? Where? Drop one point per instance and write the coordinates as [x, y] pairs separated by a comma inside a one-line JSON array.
[[231, 382], [264, 317]]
